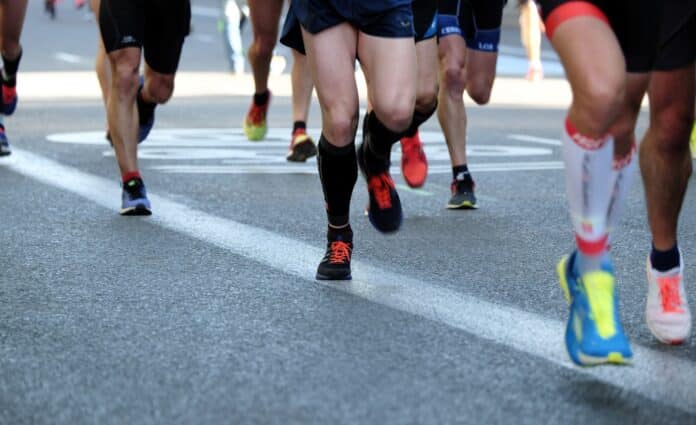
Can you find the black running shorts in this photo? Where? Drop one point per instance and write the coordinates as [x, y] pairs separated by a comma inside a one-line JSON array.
[[159, 27], [425, 19], [379, 18], [478, 21], [654, 35]]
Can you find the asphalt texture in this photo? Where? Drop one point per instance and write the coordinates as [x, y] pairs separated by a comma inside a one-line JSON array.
[[106, 319]]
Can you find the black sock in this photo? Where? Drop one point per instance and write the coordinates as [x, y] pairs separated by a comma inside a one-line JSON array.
[[665, 260], [11, 67], [378, 138], [460, 172], [344, 234], [260, 99], [338, 172], [298, 125], [418, 119], [146, 110]]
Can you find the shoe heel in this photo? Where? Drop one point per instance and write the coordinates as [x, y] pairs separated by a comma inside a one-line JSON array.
[[563, 282]]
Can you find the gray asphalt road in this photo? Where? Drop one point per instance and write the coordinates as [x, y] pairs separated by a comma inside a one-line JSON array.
[[207, 312]]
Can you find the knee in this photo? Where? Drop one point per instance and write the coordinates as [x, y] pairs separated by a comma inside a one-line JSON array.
[[601, 104], [453, 80], [340, 125], [160, 89], [396, 117], [671, 129], [264, 45], [426, 98], [126, 79]]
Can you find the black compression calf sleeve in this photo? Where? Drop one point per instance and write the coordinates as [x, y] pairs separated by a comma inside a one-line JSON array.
[[379, 139], [338, 171], [11, 67], [418, 119]]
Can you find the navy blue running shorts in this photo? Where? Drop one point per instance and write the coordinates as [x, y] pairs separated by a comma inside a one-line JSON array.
[[478, 21], [159, 27], [379, 18], [424, 19]]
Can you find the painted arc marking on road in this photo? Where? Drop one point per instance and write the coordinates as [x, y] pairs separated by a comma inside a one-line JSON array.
[[68, 57], [656, 375], [534, 139]]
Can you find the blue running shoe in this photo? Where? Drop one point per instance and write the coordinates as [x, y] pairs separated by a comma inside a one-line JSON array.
[[134, 198], [4, 144], [146, 115], [9, 99], [594, 334]]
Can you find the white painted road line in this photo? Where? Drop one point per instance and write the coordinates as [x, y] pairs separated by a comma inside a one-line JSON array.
[[656, 375], [534, 139], [69, 57]]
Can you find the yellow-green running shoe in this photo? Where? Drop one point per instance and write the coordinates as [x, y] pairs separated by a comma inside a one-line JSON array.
[[255, 121]]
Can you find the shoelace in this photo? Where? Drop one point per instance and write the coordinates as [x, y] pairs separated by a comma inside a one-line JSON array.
[[669, 292], [340, 252], [380, 185]]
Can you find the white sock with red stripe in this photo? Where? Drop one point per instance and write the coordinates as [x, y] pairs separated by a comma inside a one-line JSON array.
[[588, 170], [624, 171]]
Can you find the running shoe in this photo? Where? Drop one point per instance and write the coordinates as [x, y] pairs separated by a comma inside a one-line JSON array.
[[9, 99], [414, 164], [4, 143], [336, 262], [667, 310], [255, 126], [301, 147], [145, 121], [462, 195], [384, 210], [594, 334], [134, 198]]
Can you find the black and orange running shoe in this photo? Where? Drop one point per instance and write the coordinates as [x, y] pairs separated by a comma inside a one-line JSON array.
[[302, 147], [384, 210], [336, 262]]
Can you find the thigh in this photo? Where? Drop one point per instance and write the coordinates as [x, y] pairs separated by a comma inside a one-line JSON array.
[[122, 24], [331, 58], [380, 56], [168, 24], [264, 16]]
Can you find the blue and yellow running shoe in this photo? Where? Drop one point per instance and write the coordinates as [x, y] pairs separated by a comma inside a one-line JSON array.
[[594, 334]]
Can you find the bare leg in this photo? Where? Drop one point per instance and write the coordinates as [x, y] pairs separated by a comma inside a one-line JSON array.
[[665, 161], [264, 15], [302, 86], [121, 110]]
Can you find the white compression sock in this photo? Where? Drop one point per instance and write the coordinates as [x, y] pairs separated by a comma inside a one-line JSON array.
[[624, 171], [588, 170]]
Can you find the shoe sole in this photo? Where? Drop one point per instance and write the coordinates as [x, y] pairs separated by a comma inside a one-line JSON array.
[[466, 205], [320, 276], [302, 151], [135, 211], [5, 153]]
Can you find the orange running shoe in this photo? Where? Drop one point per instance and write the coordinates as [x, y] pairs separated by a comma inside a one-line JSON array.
[[414, 164], [255, 121]]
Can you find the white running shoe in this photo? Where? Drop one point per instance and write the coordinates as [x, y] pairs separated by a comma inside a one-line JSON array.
[[667, 310]]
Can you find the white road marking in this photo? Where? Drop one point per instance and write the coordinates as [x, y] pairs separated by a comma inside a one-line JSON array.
[[656, 375], [69, 57], [534, 139]]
